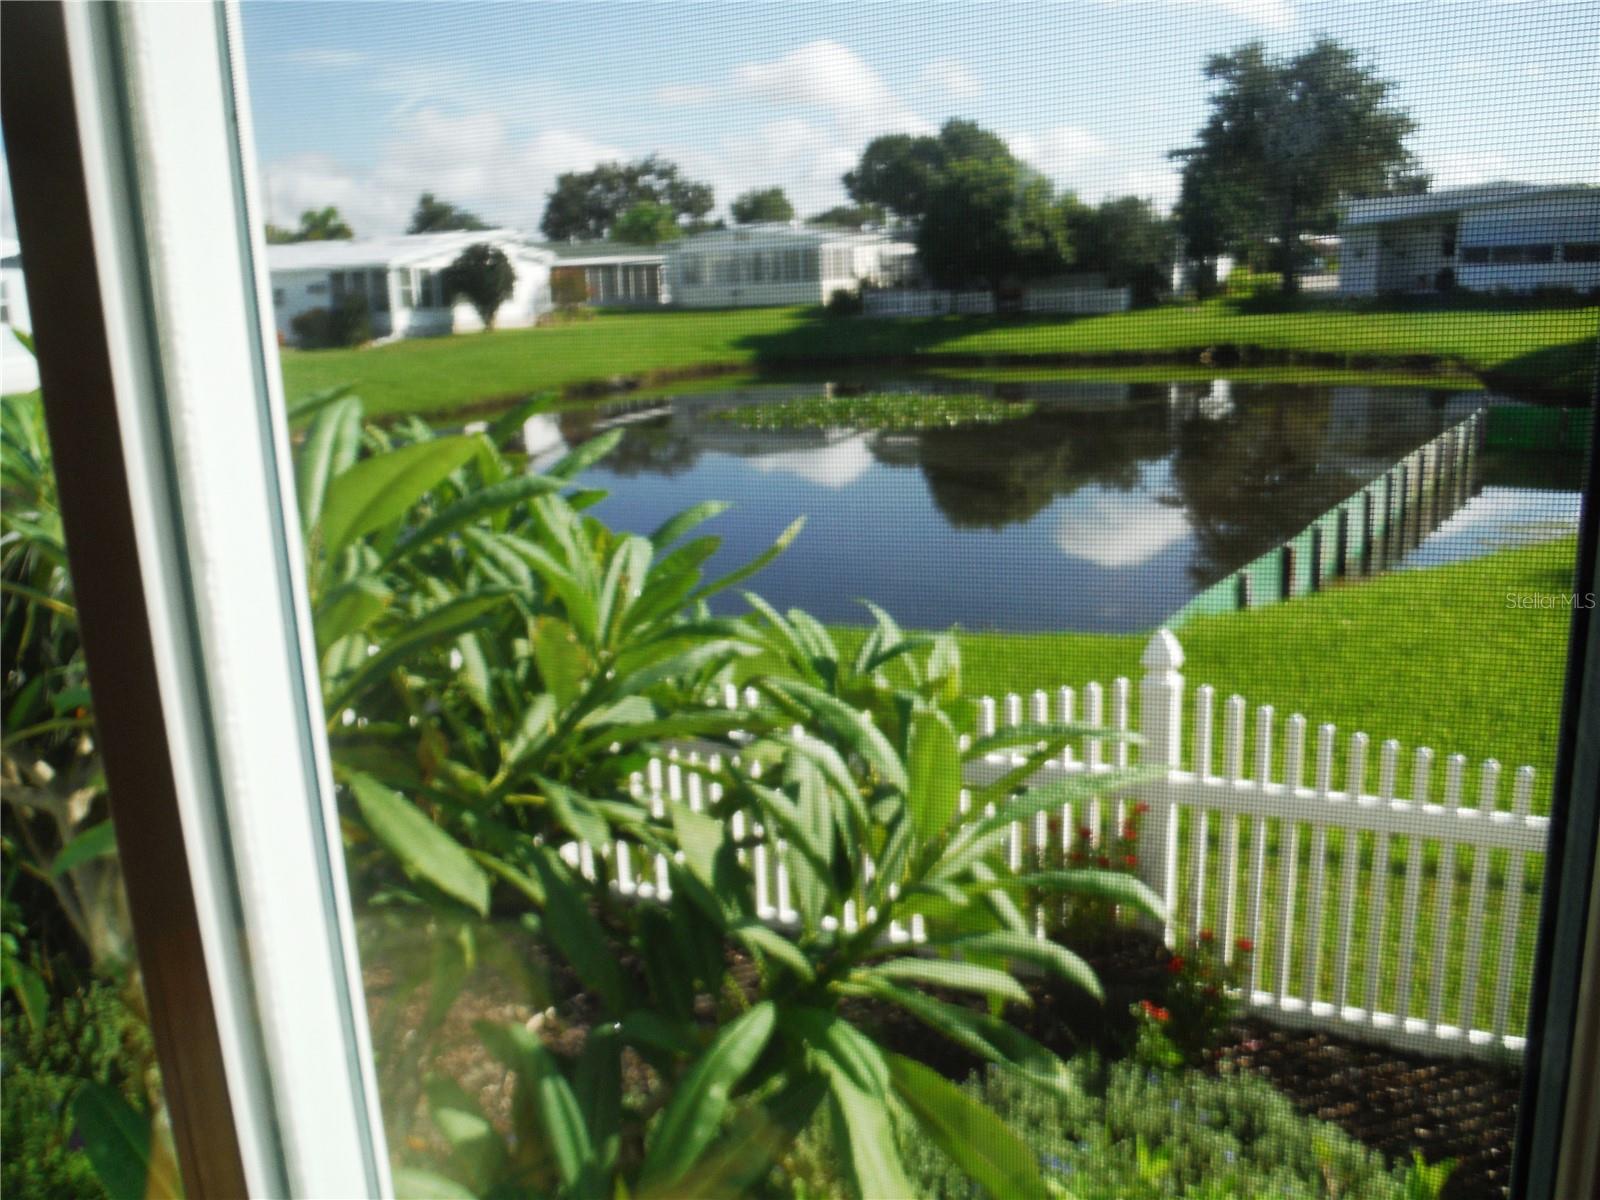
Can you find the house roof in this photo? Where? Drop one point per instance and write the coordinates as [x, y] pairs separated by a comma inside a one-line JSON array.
[[777, 233], [592, 253], [395, 251], [1384, 209]]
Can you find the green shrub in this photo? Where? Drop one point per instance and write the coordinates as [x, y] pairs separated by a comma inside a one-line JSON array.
[[844, 303], [348, 324], [1130, 1133], [91, 1036]]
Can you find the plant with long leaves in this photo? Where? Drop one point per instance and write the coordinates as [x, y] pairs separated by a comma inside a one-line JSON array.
[[497, 664]]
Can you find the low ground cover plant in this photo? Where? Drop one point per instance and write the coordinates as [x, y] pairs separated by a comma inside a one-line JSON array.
[[895, 411]]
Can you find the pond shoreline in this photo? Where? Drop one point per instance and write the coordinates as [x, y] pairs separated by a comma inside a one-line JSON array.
[[1220, 358]]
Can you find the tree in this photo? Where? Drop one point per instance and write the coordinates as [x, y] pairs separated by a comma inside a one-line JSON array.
[[316, 225], [1130, 243], [762, 204], [647, 224], [992, 219], [587, 204], [850, 216], [436, 216], [483, 274], [1287, 140], [899, 172]]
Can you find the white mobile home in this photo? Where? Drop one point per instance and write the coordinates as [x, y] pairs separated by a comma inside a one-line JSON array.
[[399, 280], [767, 264], [1491, 237], [18, 371], [614, 276]]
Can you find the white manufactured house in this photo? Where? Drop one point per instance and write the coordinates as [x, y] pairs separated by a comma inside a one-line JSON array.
[[1490, 237], [18, 371], [614, 276], [753, 265], [399, 280]]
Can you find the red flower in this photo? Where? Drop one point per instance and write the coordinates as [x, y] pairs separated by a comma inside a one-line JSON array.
[[1140, 809], [1130, 861], [1161, 1015], [1211, 989], [1207, 936], [1077, 856], [1245, 945], [1130, 831], [1085, 834], [1149, 1009], [1104, 861], [1175, 963]]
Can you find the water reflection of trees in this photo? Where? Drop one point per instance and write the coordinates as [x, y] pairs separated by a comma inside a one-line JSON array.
[[991, 476], [1255, 476]]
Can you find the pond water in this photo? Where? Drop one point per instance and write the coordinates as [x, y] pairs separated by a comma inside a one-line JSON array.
[[1099, 506]]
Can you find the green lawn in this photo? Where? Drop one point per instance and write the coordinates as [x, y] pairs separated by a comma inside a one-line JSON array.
[[1433, 657], [1538, 347]]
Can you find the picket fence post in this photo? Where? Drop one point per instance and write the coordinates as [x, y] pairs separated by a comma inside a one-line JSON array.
[[1161, 727]]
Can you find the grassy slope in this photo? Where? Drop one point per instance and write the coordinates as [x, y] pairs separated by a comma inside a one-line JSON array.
[[440, 375], [1433, 657]]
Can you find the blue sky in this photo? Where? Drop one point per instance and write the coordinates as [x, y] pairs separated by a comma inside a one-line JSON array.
[[365, 105]]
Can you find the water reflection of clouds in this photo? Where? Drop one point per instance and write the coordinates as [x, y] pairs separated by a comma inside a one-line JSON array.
[[835, 466], [1112, 528], [1494, 519]]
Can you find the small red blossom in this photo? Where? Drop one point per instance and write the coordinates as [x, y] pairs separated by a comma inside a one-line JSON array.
[[1245, 945], [1130, 831], [1175, 964], [1140, 809], [1162, 1015], [1155, 1012], [1211, 989], [1104, 861], [1207, 936], [1130, 861], [1077, 856], [1085, 834]]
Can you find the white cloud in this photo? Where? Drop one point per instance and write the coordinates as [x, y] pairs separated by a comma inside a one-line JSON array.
[[950, 77], [830, 77], [472, 160], [684, 95], [1059, 151]]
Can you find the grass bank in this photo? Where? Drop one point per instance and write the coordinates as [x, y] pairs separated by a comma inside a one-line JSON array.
[[1434, 657], [1538, 350]]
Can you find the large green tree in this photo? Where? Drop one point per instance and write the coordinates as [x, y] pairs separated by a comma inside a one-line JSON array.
[[762, 204], [484, 275], [587, 204], [433, 215], [899, 171], [1287, 139], [850, 216], [316, 225], [992, 219], [1128, 241], [647, 223]]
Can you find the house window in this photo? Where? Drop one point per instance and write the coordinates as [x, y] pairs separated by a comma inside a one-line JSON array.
[[277, 297], [316, 289], [725, 270], [794, 270], [758, 268], [378, 290], [408, 287], [5, 303], [693, 270], [1581, 252], [1475, 254]]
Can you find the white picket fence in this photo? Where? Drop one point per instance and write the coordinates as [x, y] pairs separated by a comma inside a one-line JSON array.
[[1349, 896]]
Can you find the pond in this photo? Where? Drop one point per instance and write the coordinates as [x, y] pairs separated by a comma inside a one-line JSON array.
[[1038, 503]]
